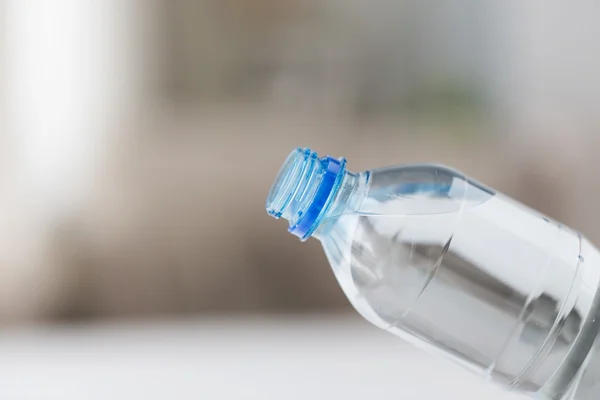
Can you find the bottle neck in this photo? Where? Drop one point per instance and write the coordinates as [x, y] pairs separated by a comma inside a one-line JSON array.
[[347, 200]]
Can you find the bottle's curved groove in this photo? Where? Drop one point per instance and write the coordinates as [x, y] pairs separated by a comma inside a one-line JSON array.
[[553, 335], [436, 268]]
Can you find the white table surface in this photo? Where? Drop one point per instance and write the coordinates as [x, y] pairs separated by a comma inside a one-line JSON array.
[[235, 358]]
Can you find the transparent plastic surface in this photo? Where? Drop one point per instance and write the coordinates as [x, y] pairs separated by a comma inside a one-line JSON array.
[[462, 271]]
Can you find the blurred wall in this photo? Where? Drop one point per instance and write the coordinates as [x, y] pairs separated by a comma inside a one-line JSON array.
[[142, 165]]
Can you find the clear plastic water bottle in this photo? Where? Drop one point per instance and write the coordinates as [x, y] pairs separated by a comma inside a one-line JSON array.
[[456, 268]]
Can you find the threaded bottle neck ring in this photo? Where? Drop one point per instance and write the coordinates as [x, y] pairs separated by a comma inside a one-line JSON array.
[[303, 190]]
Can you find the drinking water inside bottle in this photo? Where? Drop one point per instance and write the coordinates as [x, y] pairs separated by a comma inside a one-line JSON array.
[[457, 277]]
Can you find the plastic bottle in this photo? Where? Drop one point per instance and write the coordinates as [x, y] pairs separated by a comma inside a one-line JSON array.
[[455, 268]]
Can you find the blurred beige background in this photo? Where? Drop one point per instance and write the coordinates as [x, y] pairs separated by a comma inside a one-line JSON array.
[[142, 136]]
